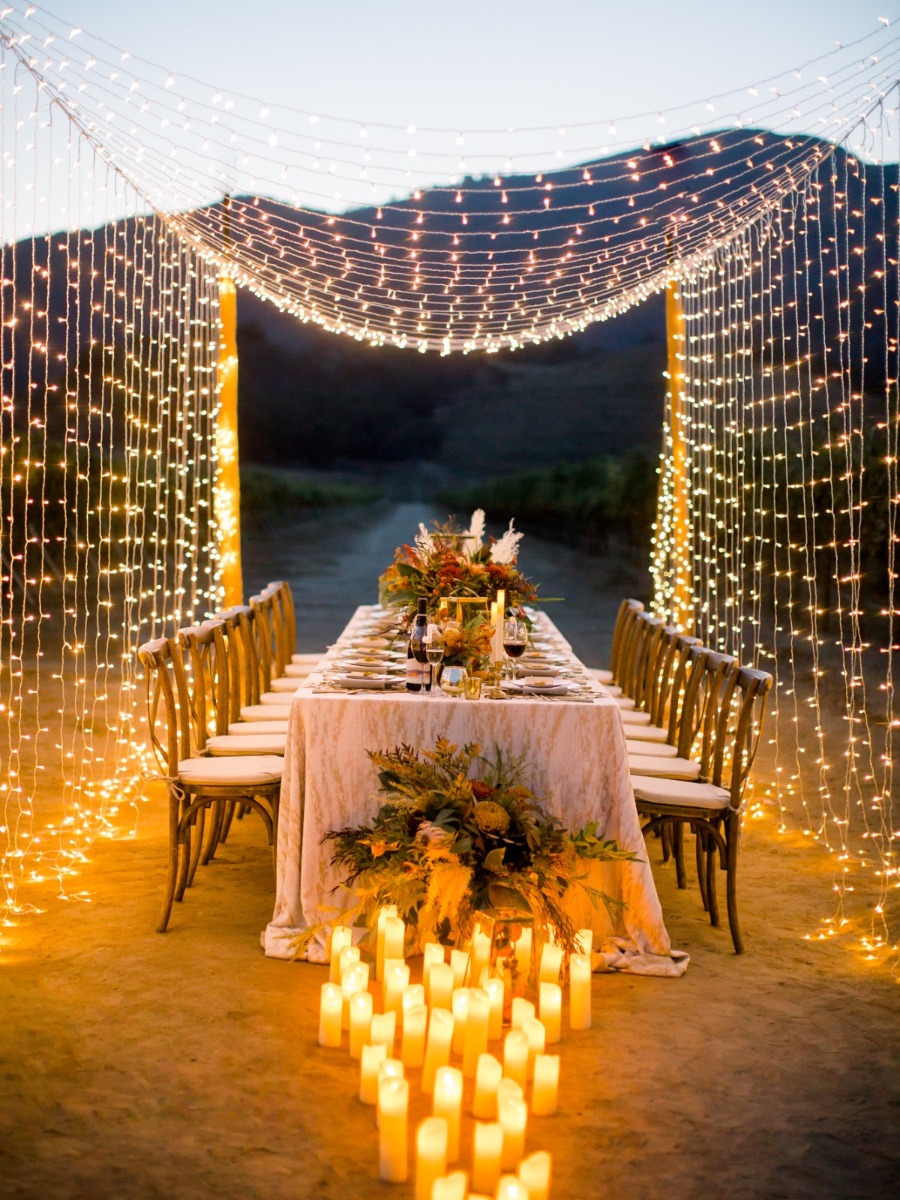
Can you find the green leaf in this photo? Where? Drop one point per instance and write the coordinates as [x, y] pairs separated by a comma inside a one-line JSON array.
[[494, 861]]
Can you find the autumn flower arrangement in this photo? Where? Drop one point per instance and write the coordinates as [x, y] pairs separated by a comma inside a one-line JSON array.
[[445, 845], [450, 562]]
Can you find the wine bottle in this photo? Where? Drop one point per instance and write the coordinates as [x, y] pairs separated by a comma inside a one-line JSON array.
[[417, 651], [413, 672]]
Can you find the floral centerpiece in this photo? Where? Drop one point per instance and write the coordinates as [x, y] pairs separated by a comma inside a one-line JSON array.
[[444, 846], [452, 563]]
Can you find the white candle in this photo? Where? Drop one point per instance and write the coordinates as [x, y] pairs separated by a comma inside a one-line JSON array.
[[451, 1187], [511, 1187], [388, 910], [494, 989], [522, 1009], [437, 1046], [331, 1006], [481, 957], [440, 985], [580, 991], [412, 1047], [432, 952], [545, 1090], [551, 962], [550, 1000], [476, 1038], [508, 1089], [513, 1116], [487, 1080], [346, 956], [354, 978], [534, 1171], [413, 997], [459, 961], [537, 1040], [448, 1094], [460, 1008], [584, 941], [341, 938], [431, 1155], [487, 1154], [388, 1068], [383, 1031], [396, 981], [523, 948], [360, 1022], [393, 939], [369, 1061], [515, 1056], [393, 1104]]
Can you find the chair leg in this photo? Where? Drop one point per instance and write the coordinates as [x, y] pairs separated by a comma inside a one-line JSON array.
[[184, 869], [666, 838], [226, 823], [701, 848], [732, 835], [171, 880], [196, 846], [678, 853], [712, 900], [214, 837]]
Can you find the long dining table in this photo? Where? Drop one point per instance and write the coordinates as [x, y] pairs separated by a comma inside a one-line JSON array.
[[575, 748]]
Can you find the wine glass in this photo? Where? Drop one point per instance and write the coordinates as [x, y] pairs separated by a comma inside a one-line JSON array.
[[452, 679], [515, 639], [434, 651]]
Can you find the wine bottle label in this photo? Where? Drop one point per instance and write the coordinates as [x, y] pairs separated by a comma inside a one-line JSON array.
[[413, 675]]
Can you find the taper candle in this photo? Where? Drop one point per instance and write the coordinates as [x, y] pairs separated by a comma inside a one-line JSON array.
[[393, 1104], [487, 1155], [580, 991], [545, 1089], [331, 1006], [448, 1094], [360, 1022], [550, 1009], [534, 1171], [437, 1046], [487, 1078], [431, 1155]]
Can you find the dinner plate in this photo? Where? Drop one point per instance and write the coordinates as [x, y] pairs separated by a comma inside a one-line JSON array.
[[541, 669], [552, 687], [363, 680]]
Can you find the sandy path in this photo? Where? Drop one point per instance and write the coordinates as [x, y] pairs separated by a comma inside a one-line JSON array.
[[134, 1065]]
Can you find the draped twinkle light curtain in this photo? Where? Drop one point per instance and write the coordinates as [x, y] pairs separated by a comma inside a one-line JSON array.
[[792, 425], [107, 464]]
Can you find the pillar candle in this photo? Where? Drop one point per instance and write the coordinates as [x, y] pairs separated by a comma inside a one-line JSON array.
[[534, 1171], [511, 1187], [584, 941], [360, 1022], [523, 948], [451, 1187], [354, 978], [522, 1009], [507, 1088], [550, 1002], [459, 961], [341, 938], [396, 981], [388, 910], [346, 956], [487, 1154], [551, 961], [460, 1008], [393, 1104], [413, 997], [494, 989], [580, 991], [537, 1040], [393, 939], [513, 1116], [440, 985], [475, 1042], [432, 952], [383, 1031], [545, 1089], [437, 1046], [448, 1094], [431, 1155], [480, 958], [388, 1068], [412, 1047], [369, 1061], [487, 1078], [331, 1006], [515, 1056]]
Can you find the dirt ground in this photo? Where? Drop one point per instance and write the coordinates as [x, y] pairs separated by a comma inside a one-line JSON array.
[[185, 1066]]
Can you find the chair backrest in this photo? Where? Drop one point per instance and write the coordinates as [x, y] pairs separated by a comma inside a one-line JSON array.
[[665, 678], [239, 652], [628, 609], [265, 637], [638, 654], [702, 690], [168, 704], [208, 685], [749, 699], [286, 627]]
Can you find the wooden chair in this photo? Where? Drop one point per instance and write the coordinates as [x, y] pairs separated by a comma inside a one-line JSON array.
[[665, 697], [733, 713], [607, 675], [195, 782]]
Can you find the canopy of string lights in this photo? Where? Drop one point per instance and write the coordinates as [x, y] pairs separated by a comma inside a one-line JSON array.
[[770, 213]]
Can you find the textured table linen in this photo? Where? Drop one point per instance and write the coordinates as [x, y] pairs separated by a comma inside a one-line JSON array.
[[579, 766]]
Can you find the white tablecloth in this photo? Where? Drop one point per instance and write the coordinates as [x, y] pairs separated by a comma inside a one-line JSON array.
[[579, 767]]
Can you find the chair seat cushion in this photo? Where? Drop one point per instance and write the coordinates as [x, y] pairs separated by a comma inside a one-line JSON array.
[[307, 658], [300, 670], [601, 674], [657, 749], [631, 717], [262, 743], [655, 794], [250, 771], [254, 728], [645, 733], [667, 768], [624, 702], [279, 698], [283, 684], [266, 712]]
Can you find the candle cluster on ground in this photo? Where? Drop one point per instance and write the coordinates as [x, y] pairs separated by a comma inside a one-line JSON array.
[[455, 1050]]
